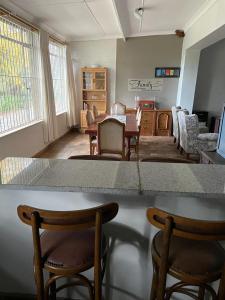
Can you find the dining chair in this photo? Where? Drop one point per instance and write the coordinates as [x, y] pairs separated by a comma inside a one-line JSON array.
[[94, 157], [95, 111], [135, 141], [189, 251], [92, 139], [111, 139], [118, 109], [70, 242], [138, 112]]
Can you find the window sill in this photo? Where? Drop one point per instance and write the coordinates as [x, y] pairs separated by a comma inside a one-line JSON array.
[[61, 113], [20, 128]]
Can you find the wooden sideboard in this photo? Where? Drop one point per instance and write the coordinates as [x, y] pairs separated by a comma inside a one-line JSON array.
[[156, 122]]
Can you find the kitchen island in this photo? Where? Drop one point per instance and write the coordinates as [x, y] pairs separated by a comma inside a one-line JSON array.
[[196, 191]]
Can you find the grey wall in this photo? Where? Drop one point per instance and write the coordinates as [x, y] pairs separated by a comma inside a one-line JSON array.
[[138, 57], [210, 88], [102, 53]]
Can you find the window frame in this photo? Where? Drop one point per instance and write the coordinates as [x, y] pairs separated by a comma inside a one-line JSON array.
[[37, 117], [64, 105]]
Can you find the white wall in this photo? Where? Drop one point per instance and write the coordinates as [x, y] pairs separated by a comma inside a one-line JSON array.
[[28, 141], [102, 53], [187, 83], [207, 29], [138, 57], [210, 88]]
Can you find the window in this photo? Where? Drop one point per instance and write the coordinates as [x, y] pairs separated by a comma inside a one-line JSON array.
[[19, 76], [58, 67]]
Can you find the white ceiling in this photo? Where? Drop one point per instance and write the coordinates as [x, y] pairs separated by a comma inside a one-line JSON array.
[[99, 19]]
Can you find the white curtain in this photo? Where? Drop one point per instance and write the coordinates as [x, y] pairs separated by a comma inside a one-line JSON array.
[[71, 86], [50, 125]]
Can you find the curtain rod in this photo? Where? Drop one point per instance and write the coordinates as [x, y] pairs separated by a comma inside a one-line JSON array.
[[6, 12]]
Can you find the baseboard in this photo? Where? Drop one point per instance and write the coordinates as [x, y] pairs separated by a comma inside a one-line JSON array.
[[38, 154]]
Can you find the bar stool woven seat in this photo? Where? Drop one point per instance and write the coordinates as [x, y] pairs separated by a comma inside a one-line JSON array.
[[72, 251], [189, 257]]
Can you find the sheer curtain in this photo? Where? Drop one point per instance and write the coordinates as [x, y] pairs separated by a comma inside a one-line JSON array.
[[72, 94], [49, 113]]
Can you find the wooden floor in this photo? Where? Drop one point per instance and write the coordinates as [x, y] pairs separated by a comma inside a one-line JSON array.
[[76, 144]]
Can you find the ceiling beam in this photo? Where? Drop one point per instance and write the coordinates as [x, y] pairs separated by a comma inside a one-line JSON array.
[[118, 20]]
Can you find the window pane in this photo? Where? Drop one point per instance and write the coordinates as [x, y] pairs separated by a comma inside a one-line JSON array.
[[58, 67], [19, 76]]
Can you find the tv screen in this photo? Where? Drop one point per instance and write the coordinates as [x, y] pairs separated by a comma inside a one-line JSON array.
[[221, 139]]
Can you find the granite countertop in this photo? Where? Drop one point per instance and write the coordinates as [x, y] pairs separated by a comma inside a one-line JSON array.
[[69, 175], [113, 177]]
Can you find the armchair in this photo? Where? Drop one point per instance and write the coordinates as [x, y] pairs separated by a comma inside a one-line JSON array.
[[191, 140]]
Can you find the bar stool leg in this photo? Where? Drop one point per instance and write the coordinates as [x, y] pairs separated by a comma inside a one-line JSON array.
[[201, 293], [154, 283], [52, 289]]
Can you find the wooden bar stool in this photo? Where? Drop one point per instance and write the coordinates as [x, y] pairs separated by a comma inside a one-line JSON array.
[[189, 251], [71, 243]]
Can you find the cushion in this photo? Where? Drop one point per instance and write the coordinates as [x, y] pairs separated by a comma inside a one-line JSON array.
[[208, 136], [192, 257], [69, 249]]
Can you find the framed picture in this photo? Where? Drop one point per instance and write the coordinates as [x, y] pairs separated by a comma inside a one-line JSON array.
[[167, 72]]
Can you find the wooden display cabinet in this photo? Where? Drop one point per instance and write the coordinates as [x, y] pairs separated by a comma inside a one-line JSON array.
[[93, 91]]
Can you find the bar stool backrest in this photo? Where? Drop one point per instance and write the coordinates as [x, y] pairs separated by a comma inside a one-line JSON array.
[[185, 227], [67, 220]]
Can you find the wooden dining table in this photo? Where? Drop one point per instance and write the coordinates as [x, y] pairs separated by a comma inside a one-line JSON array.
[[131, 128]]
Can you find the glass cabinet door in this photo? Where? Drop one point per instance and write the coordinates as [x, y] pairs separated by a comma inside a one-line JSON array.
[[88, 80], [100, 83]]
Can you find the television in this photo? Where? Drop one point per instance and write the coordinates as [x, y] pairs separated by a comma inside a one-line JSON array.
[[221, 138]]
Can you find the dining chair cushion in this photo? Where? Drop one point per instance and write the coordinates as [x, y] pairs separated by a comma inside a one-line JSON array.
[[192, 257], [69, 249]]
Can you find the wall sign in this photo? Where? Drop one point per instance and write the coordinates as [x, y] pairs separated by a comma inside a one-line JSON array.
[[135, 85], [167, 72]]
